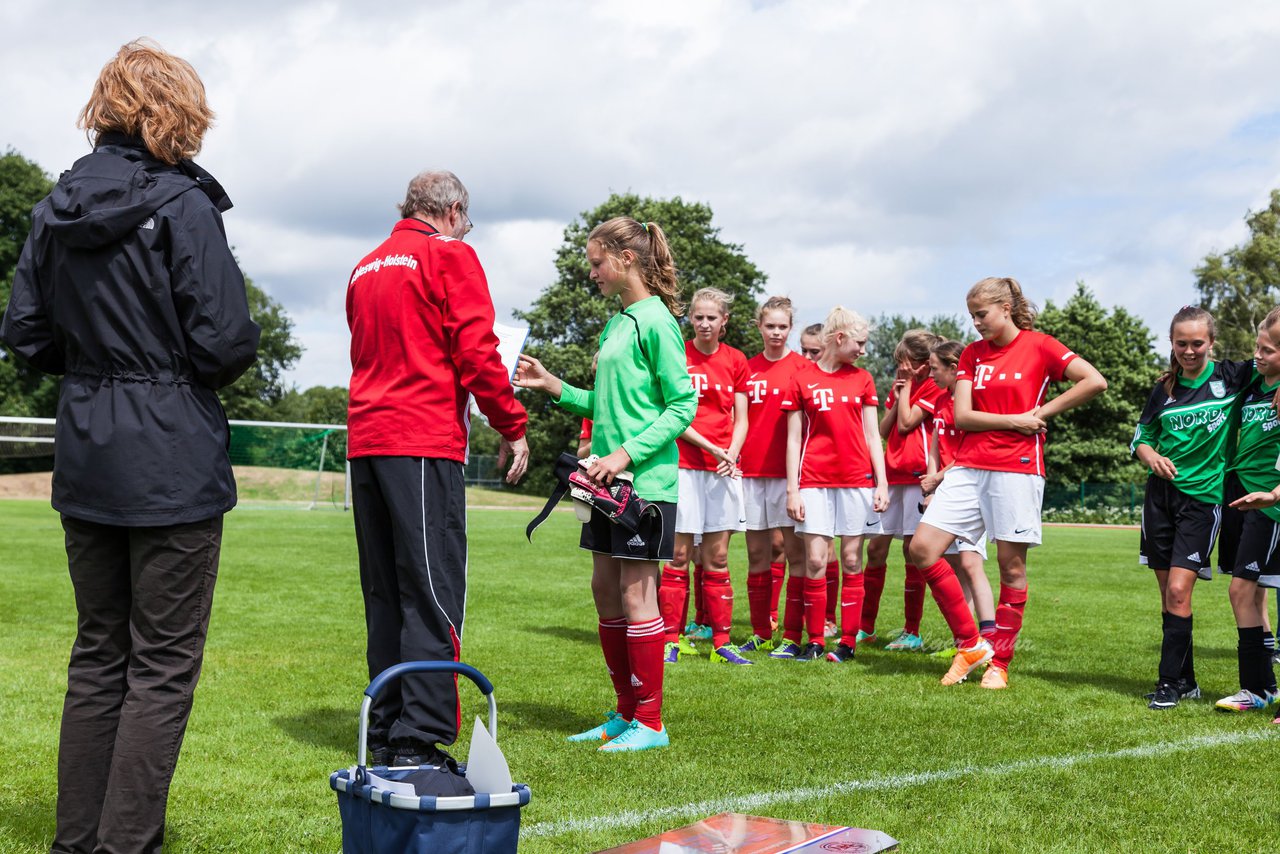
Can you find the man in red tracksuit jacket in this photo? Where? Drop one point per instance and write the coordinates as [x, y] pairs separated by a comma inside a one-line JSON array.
[[422, 344]]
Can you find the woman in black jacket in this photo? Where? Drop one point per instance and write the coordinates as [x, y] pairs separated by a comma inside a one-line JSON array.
[[127, 288]]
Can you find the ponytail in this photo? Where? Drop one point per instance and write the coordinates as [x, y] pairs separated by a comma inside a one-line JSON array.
[[1004, 289], [648, 243]]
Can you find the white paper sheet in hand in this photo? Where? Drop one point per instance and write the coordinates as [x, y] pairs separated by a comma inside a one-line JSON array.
[[510, 342], [487, 769]]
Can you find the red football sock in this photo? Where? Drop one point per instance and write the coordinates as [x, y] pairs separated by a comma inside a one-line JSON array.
[[851, 609], [613, 640], [950, 598], [673, 600], [719, 597], [793, 616], [913, 600], [699, 597], [779, 573], [644, 646], [759, 594], [873, 586], [1008, 624], [815, 609], [833, 589]]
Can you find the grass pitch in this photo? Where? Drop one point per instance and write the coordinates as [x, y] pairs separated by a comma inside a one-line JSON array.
[[1068, 758]]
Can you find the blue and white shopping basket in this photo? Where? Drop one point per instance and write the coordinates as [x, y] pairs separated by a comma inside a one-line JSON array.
[[375, 821]]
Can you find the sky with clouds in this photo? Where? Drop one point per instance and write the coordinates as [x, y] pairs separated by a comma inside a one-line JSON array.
[[883, 155]]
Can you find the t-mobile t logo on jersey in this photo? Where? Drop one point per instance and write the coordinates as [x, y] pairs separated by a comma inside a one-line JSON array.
[[982, 374], [758, 389], [699, 383], [823, 397]]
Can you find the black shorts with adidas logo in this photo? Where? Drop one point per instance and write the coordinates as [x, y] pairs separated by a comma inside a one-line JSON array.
[[1177, 530], [1258, 554], [654, 541]]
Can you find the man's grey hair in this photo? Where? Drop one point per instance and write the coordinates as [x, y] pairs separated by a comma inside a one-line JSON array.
[[433, 193]]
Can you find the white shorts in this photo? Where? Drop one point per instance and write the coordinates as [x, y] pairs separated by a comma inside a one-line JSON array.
[[765, 499], [904, 513], [1003, 505], [707, 502], [839, 512], [959, 545]]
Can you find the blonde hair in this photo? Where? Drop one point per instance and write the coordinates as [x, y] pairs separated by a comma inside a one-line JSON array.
[[845, 320], [1272, 318], [146, 92], [776, 304], [915, 345], [1004, 289], [1188, 314], [649, 244]]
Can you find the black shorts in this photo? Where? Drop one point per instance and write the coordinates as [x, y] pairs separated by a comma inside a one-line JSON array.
[[654, 541], [1177, 530], [1232, 524], [1258, 555]]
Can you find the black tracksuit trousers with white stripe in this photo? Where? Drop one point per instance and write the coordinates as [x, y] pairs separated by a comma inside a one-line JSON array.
[[411, 531]]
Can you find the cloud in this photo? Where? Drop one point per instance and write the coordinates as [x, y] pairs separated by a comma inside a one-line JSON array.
[[887, 154]]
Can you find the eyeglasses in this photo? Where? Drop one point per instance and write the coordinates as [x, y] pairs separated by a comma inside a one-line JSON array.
[[462, 213]]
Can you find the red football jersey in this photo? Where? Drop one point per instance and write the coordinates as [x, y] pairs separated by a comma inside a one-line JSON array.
[[1009, 380], [907, 454], [944, 427], [765, 452], [834, 452], [717, 379]]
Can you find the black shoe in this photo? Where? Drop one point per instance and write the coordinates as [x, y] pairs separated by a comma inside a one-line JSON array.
[[1165, 696], [811, 652], [380, 755], [841, 654], [1185, 691], [418, 755]]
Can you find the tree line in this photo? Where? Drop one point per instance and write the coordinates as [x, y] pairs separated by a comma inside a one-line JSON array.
[[1239, 286]]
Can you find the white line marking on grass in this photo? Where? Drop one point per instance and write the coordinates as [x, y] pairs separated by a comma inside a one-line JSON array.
[[746, 803]]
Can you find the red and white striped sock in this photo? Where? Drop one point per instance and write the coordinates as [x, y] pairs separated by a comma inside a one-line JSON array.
[[644, 646]]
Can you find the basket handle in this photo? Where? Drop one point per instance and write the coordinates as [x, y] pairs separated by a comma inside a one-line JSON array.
[[398, 670]]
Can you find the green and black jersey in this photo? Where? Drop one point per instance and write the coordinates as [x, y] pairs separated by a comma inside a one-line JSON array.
[[1257, 457], [1191, 426]]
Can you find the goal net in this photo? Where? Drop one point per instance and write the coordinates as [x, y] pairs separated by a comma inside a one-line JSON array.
[[25, 437]]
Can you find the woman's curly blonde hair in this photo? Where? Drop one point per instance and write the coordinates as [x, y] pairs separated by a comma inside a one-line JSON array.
[[147, 92]]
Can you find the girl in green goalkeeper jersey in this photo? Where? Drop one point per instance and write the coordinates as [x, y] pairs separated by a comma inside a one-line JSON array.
[[643, 400], [1182, 437], [1257, 555]]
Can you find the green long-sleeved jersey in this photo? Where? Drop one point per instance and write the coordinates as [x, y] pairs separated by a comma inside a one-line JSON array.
[[643, 397], [1193, 425]]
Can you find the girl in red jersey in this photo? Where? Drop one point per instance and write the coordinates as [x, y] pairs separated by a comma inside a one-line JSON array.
[[811, 349], [905, 428], [835, 479], [710, 502], [771, 537], [967, 559], [996, 485]]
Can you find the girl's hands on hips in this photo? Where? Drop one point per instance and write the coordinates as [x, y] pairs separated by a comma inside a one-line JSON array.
[[1028, 423]]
